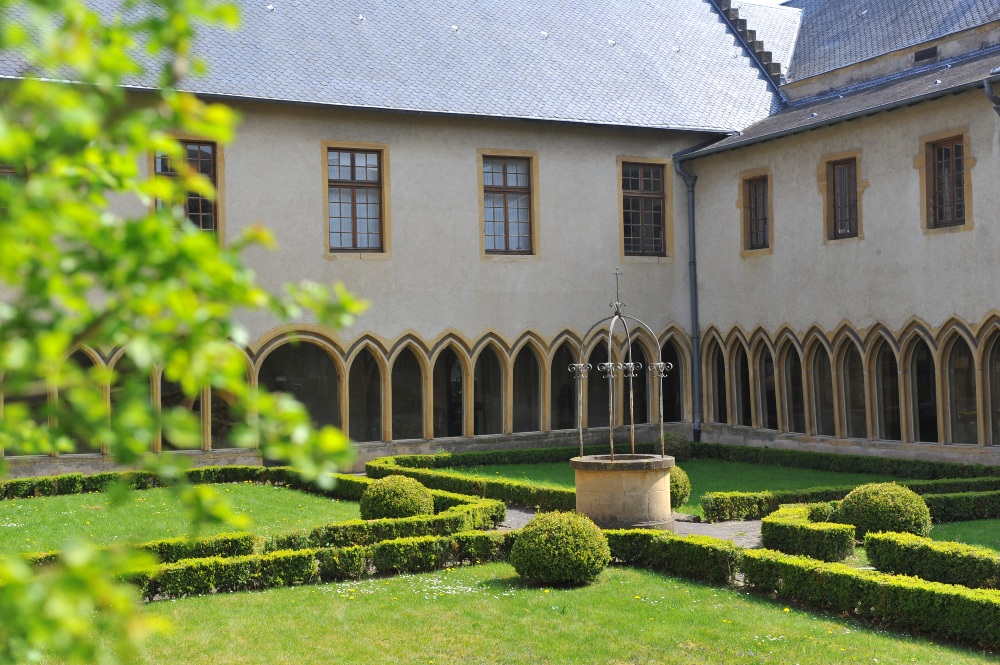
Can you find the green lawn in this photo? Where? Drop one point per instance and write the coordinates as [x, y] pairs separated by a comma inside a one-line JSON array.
[[46, 523], [707, 475], [481, 614], [984, 533]]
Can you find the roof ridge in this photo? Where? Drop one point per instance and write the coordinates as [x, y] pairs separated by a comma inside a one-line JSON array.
[[771, 67]]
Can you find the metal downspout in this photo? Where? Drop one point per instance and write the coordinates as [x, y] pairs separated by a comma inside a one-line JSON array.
[[690, 179], [988, 89]]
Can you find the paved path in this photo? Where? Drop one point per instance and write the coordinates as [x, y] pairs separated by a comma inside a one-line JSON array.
[[744, 534]]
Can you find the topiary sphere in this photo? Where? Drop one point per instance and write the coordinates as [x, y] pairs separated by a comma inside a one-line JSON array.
[[884, 507], [680, 487], [560, 549], [396, 496]]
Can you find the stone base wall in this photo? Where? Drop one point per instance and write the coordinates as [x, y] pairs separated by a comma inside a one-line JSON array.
[[934, 452], [38, 465]]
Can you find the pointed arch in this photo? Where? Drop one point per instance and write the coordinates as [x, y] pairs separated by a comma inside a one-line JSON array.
[[920, 373], [366, 381], [988, 326], [820, 394], [741, 381], [882, 362], [880, 333], [957, 355], [792, 383], [451, 367], [489, 383], [715, 371], [563, 391], [307, 367], [765, 381], [527, 386], [990, 345], [568, 337], [851, 385], [408, 367]]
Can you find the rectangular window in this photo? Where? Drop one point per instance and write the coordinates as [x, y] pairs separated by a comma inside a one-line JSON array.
[[507, 204], [844, 198], [355, 197], [200, 156], [756, 213], [643, 209], [947, 182]]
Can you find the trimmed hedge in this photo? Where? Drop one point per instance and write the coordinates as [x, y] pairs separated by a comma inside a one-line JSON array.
[[395, 496], [942, 610], [560, 549], [170, 550], [190, 577], [957, 507], [949, 563], [791, 530], [695, 557]]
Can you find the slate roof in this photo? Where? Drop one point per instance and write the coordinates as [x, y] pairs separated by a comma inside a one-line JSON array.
[[777, 26], [933, 82], [837, 33], [644, 63]]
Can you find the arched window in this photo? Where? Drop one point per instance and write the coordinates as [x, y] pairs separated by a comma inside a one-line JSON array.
[[673, 385], [795, 403], [364, 397], [527, 391], [720, 403], [488, 393], [887, 394], [822, 385], [449, 387], [597, 389], [173, 397], [741, 387], [407, 397], [923, 391], [962, 393], [80, 436], [132, 384], [766, 391], [993, 370], [563, 389], [854, 394], [306, 372], [640, 388]]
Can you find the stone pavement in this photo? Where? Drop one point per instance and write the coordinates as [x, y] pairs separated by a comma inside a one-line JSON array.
[[744, 534]]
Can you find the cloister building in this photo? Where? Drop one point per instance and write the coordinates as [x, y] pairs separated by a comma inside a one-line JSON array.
[[801, 198]]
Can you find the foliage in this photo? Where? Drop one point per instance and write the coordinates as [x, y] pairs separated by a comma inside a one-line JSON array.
[[395, 496], [680, 487], [560, 549], [699, 558], [950, 563], [76, 270], [792, 530], [942, 610], [884, 507]]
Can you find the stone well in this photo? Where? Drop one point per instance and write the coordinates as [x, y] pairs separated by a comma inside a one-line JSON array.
[[631, 491]]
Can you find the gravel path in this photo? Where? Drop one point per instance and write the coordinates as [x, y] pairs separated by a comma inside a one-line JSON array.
[[744, 534]]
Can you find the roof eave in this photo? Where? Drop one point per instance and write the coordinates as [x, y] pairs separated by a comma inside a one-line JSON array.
[[826, 122]]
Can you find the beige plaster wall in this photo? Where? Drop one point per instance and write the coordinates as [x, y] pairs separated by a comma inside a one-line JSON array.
[[896, 271], [436, 277]]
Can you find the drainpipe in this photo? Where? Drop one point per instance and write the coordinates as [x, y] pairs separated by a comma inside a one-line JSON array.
[[988, 88], [690, 179]]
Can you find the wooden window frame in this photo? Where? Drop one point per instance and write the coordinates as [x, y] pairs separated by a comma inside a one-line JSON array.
[[758, 224], [160, 158], [764, 175], [839, 182], [923, 163], [644, 196], [825, 180], [354, 185], [956, 187], [506, 190]]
